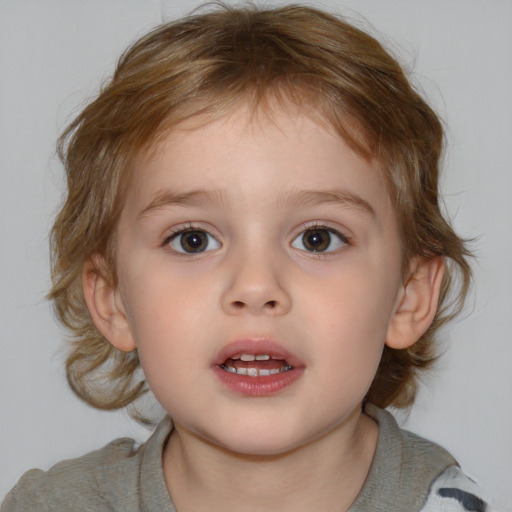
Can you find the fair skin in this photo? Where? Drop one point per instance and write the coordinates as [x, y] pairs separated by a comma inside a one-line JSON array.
[[252, 236]]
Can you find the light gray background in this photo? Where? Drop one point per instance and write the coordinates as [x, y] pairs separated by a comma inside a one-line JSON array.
[[54, 55]]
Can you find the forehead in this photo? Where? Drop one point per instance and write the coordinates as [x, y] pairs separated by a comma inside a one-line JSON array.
[[273, 154]]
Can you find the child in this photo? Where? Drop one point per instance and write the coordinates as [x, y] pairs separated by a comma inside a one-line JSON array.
[[252, 215]]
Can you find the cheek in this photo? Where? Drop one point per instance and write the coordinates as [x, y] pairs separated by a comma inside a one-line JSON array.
[[351, 314], [168, 314], [156, 294], [164, 345], [358, 297]]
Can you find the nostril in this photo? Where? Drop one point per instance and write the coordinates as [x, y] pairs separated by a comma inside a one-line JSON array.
[[271, 304], [238, 304]]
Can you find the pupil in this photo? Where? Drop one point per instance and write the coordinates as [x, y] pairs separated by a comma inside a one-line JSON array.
[[316, 240], [194, 241]]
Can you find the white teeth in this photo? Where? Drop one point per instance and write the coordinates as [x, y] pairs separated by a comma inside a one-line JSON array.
[[256, 372], [252, 357], [264, 373]]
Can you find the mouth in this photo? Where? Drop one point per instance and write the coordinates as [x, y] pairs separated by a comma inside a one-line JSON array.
[[257, 367]]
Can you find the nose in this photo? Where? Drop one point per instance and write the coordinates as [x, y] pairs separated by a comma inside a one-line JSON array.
[[255, 286]]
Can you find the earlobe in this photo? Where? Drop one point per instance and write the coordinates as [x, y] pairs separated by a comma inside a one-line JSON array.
[[104, 304], [417, 304]]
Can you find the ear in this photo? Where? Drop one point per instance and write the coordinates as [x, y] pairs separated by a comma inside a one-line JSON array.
[[417, 303], [105, 305]]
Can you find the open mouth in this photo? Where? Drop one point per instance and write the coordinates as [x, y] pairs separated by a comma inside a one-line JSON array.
[[255, 365]]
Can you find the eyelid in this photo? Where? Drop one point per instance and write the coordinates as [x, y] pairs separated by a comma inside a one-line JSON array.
[[335, 227], [172, 231]]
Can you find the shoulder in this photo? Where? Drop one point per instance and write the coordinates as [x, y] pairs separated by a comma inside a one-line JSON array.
[[411, 474], [416, 474], [453, 491], [76, 484], [120, 476]]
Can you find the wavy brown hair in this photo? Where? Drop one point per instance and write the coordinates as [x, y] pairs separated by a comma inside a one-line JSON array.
[[203, 65]]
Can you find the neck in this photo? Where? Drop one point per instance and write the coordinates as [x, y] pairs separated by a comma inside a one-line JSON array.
[[325, 474]]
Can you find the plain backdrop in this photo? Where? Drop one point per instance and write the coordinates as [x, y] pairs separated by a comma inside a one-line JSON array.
[[55, 54]]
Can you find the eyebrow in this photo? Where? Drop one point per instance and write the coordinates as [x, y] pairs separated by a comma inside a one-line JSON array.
[[191, 198], [301, 198], [336, 197]]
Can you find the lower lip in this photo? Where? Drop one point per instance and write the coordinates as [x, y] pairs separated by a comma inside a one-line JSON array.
[[258, 386]]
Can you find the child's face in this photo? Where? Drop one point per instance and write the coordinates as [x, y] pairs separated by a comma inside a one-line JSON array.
[[264, 238]]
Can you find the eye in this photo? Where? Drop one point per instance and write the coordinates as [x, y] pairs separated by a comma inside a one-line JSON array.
[[319, 239], [192, 241]]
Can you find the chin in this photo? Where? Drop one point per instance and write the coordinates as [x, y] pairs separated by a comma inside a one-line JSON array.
[[259, 447], [245, 440]]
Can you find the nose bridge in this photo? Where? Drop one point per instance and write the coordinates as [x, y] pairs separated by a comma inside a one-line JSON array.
[[256, 282]]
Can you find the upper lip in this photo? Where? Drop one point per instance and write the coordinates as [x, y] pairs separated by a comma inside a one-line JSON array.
[[257, 346]]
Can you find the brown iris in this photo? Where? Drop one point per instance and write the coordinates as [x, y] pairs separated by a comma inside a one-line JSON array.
[[193, 241], [316, 240]]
